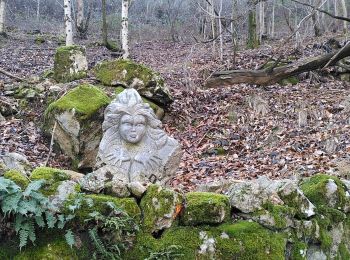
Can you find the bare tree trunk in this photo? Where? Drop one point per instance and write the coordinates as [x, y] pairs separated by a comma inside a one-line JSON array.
[[345, 14], [80, 15], [315, 20], [220, 33], [234, 28], [253, 41], [335, 3], [68, 22], [125, 29], [38, 11], [261, 20], [104, 24], [213, 25], [2, 17], [273, 19]]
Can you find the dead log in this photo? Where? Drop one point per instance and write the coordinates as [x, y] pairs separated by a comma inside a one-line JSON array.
[[271, 76]]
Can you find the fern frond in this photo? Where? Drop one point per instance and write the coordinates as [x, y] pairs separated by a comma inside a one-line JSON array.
[[98, 243], [23, 238], [70, 239], [10, 202], [31, 230], [33, 186], [50, 220], [40, 221]]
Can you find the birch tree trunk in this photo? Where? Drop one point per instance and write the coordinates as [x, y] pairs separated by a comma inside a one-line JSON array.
[[68, 22], [38, 11], [221, 33], [125, 29], [2, 17]]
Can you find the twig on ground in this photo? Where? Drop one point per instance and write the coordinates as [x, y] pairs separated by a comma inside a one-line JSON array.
[[51, 143]]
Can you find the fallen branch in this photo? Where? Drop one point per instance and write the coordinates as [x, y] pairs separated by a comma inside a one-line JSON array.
[[11, 75], [269, 77]]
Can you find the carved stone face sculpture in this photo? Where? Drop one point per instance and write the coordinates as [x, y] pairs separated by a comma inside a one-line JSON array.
[[132, 128], [133, 147]]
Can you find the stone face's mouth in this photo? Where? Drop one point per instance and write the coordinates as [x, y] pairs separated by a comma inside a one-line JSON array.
[[133, 136]]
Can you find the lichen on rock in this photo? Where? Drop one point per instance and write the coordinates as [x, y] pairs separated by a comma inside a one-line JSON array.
[[159, 207], [53, 178], [70, 63]]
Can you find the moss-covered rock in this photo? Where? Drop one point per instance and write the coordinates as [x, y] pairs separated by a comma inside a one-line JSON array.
[[242, 240], [53, 178], [249, 240], [18, 178], [130, 74], [205, 208], [50, 246], [70, 63], [325, 190], [160, 207], [99, 203], [298, 251], [79, 116]]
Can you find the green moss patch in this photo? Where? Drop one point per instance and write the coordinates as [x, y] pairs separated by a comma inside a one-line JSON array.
[[18, 178], [99, 204], [298, 251], [242, 240], [315, 190], [205, 208], [52, 176], [85, 99], [249, 240], [51, 245], [124, 72]]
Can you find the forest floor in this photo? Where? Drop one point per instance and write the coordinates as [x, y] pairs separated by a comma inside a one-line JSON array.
[[237, 132]]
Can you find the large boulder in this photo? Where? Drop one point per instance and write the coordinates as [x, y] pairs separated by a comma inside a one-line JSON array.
[[133, 75], [78, 116], [160, 207], [14, 161], [70, 63]]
